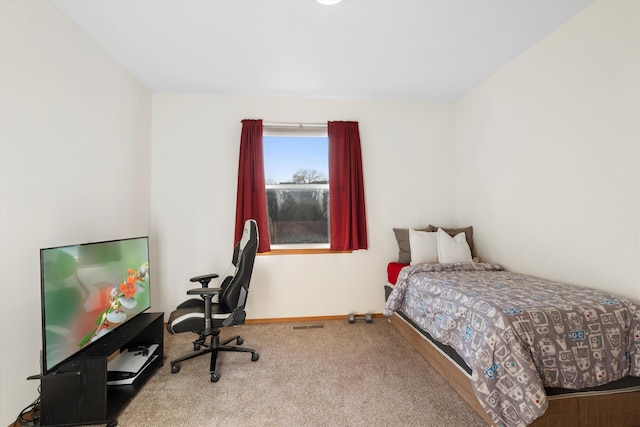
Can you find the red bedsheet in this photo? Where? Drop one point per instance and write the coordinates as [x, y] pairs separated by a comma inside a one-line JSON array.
[[393, 270]]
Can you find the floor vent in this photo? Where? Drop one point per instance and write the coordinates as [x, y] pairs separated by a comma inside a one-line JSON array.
[[309, 327]]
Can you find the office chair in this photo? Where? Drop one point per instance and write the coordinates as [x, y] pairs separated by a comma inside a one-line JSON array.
[[205, 317]]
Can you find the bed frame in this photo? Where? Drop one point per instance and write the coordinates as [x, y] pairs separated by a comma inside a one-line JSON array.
[[615, 408]]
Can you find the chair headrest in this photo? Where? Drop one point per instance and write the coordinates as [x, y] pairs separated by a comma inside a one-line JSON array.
[[250, 232]]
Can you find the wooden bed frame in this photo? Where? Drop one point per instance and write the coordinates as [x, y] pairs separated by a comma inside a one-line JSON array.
[[610, 409]]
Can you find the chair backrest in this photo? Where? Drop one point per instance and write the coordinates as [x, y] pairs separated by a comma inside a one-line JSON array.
[[231, 269], [235, 290]]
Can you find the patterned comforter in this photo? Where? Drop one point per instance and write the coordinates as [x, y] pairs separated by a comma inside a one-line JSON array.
[[520, 333]]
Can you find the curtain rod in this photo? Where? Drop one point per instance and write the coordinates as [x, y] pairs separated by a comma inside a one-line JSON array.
[[294, 125]]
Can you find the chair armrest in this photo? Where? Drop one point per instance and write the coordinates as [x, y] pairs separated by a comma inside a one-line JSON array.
[[204, 291], [204, 279]]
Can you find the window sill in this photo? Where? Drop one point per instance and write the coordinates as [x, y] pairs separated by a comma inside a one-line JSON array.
[[302, 251]]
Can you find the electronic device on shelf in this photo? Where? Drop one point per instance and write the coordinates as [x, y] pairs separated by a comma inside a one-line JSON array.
[[88, 291], [125, 368]]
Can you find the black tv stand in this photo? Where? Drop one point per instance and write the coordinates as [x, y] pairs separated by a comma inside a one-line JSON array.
[[78, 394]]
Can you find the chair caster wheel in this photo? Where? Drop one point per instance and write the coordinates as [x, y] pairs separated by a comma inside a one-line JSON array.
[[215, 377], [196, 347], [175, 369], [239, 341], [255, 357]]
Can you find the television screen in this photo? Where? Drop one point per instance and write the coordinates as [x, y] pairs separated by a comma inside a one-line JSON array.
[[88, 290]]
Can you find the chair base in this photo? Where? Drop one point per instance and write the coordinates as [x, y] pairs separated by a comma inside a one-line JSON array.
[[214, 348]]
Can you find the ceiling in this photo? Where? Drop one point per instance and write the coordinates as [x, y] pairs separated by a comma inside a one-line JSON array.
[[423, 50]]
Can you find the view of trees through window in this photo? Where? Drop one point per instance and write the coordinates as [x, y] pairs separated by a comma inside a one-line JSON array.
[[297, 181]]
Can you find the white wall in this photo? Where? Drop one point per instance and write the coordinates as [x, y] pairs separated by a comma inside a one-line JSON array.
[[74, 167], [548, 154], [407, 155]]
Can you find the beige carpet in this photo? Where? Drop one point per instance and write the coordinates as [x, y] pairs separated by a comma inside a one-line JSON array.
[[339, 375]]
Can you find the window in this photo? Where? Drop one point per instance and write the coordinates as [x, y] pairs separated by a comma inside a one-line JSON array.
[[346, 219], [296, 165]]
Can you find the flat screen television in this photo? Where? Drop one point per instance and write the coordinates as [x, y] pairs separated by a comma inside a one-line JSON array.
[[88, 290]]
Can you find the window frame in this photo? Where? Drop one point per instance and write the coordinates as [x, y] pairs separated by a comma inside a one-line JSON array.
[[299, 130]]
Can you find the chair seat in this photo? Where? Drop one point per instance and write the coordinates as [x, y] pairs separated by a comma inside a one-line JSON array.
[[190, 317]]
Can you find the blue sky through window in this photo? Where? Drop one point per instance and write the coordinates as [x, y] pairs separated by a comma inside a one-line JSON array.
[[284, 155]]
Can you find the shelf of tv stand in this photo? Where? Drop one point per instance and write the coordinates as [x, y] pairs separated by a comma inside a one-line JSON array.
[[119, 395], [78, 394]]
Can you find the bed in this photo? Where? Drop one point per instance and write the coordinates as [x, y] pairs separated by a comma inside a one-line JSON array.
[[521, 350]]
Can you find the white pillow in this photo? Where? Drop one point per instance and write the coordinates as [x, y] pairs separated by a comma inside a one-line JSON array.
[[424, 246], [452, 249]]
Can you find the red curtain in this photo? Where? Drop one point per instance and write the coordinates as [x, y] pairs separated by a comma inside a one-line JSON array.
[[346, 189], [251, 202]]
